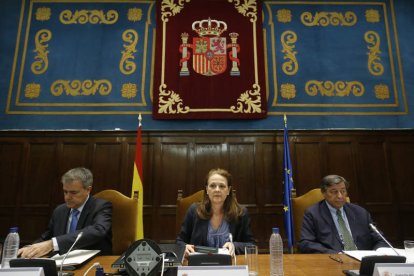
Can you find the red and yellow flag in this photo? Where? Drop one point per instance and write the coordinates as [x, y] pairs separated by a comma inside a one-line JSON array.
[[137, 183]]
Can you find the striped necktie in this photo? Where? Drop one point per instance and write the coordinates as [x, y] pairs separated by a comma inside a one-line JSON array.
[[345, 234], [74, 220]]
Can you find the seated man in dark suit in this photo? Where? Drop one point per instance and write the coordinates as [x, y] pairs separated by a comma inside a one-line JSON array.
[[80, 213], [333, 225]]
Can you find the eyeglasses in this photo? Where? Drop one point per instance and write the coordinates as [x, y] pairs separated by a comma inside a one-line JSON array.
[[214, 186], [335, 192]]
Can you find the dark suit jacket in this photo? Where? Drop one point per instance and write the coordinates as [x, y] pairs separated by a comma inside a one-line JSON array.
[[319, 234], [95, 222], [194, 230]]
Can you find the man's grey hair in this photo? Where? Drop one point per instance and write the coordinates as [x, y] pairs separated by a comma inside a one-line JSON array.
[[331, 180], [79, 174]]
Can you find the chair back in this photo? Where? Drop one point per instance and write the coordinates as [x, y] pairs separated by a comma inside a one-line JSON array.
[[124, 219], [299, 206], [183, 204]]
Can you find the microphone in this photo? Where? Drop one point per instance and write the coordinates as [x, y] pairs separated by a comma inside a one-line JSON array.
[[234, 248], [67, 253], [383, 238]]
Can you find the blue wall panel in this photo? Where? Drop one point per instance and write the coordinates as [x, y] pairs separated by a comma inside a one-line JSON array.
[[88, 65]]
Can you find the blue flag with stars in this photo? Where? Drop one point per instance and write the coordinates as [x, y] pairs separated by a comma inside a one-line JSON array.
[[288, 186]]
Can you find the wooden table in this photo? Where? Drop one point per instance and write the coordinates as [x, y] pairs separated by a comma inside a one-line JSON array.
[[294, 264]]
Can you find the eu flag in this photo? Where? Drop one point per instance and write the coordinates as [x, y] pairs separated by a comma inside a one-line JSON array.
[[288, 186]]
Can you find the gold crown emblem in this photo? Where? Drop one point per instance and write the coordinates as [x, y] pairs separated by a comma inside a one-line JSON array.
[[209, 26]]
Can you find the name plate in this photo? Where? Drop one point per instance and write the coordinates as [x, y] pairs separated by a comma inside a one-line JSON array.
[[393, 269], [22, 271], [235, 270]]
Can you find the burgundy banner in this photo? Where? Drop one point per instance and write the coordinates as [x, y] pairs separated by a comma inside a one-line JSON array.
[[209, 60]]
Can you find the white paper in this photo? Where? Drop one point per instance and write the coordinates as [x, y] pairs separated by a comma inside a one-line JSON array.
[[222, 270], [223, 251], [393, 269], [76, 257], [382, 251]]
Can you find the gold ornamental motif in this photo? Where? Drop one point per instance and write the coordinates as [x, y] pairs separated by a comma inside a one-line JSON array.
[[382, 91], [375, 66], [134, 14], [127, 66], [88, 16], [41, 63], [32, 90], [81, 88], [43, 14], [170, 102], [248, 8], [290, 66], [284, 16], [288, 91], [372, 16], [329, 18], [170, 8], [337, 89], [129, 90], [249, 101]]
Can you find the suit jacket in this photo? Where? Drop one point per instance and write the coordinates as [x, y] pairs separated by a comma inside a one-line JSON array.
[[95, 222], [319, 234], [194, 230]]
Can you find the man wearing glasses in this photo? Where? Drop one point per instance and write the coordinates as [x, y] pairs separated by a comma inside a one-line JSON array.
[[333, 225]]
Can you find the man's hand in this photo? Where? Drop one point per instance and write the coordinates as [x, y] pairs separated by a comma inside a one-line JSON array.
[[36, 250]]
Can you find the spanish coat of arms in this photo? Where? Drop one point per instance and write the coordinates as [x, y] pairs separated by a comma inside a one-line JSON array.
[[209, 49]]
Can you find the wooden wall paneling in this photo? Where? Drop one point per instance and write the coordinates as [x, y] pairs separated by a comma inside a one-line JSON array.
[[374, 185], [207, 153], [107, 165], [373, 173], [341, 161], [309, 168], [268, 212], [11, 156], [39, 188], [378, 164], [402, 175], [74, 154], [174, 173]]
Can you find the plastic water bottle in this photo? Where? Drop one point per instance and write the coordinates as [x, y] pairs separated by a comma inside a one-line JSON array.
[[10, 247], [276, 253]]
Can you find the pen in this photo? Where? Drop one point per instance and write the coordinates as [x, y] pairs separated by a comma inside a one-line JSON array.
[[336, 259]]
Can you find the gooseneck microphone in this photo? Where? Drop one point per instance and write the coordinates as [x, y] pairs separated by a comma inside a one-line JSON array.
[[383, 238], [67, 253], [234, 248]]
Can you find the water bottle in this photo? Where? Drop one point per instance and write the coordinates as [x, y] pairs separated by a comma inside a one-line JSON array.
[[10, 247], [276, 253]]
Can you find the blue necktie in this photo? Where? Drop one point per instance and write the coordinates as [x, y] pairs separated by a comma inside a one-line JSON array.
[[74, 220]]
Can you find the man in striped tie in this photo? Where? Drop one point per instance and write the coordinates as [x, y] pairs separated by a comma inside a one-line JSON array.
[[333, 225], [80, 213]]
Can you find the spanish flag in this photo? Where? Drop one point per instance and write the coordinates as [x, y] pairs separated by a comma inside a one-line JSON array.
[[137, 183]]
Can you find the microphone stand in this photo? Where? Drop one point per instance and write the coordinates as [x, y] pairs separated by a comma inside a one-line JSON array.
[[234, 248], [67, 253], [383, 238]]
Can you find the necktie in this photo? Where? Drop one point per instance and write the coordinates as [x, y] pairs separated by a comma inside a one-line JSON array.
[[74, 220], [345, 234]]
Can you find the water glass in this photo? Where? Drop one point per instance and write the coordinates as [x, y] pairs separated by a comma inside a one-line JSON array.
[[409, 251], [251, 252]]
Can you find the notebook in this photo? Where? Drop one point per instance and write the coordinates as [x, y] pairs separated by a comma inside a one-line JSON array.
[[174, 256]]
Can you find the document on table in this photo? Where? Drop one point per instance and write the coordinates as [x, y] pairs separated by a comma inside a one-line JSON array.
[[75, 258], [384, 251]]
